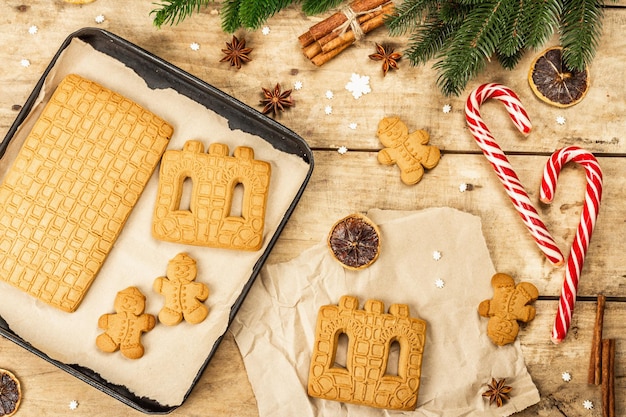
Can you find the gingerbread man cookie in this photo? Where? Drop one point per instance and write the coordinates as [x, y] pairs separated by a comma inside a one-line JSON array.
[[507, 307], [123, 329], [183, 296], [408, 150]]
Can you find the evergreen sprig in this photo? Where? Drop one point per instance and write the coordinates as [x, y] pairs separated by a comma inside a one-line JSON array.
[[235, 14], [463, 35]]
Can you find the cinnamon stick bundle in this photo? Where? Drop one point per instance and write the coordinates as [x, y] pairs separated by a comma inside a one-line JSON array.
[[326, 39], [594, 375]]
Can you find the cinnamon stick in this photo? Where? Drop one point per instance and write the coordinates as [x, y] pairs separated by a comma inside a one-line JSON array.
[[326, 26], [324, 57], [608, 378], [349, 36], [594, 375]]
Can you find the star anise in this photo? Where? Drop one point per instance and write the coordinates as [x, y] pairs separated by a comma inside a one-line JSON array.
[[236, 52], [497, 392], [386, 54], [275, 100]]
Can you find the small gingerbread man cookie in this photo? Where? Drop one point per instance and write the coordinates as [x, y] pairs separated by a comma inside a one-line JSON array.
[[123, 329], [408, 150], [183, 296], [507, 307]]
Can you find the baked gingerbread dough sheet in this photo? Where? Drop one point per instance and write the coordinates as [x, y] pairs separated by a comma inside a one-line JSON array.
[[174, 355]]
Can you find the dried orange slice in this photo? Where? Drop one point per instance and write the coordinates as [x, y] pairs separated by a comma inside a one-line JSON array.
[[10, 393], [553, 82], [355, 241]]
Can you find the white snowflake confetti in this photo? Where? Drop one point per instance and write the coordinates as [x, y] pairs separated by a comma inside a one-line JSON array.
[[266, 30], [194, 46], [73, 405], [463, 187], [436, 255], [446, 108], [560, 120], [352, 126], [297, 85], [25, 63], [439, 283], [587, 404], [342, 150], [100, 18], [329, 94], [328, 109], [566, 376], [358, 85], [33, 29]]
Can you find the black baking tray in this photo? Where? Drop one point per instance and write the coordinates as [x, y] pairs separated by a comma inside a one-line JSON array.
[[159, 74]]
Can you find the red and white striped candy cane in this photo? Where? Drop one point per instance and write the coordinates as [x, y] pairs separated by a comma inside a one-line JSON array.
[[593, 195], [501, 164]]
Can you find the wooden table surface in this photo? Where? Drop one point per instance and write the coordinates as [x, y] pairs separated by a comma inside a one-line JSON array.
[[356, 182]]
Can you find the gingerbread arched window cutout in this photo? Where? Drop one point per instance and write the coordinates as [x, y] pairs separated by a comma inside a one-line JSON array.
[[215, 175], [237, 202], [372, 332], [185, 194]]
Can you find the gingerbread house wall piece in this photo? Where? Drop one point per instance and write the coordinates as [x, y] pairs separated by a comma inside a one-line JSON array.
[[370, 333], [214, 176]]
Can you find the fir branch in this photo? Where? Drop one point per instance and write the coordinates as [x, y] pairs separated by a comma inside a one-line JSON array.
[[230, 16], [581, 27], [541, 20], [312, 7], [409, 14], [253, 13], [512, 36], [173, 12], [468, 50], [427, 41]]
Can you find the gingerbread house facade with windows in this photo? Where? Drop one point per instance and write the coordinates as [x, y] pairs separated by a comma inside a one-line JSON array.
[[210, 218], [370, 332]]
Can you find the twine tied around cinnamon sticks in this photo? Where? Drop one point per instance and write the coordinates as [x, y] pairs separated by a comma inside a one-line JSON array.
[[328, 38]]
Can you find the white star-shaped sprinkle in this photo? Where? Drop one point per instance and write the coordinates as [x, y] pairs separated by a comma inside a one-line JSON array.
[[329, 94], [328, 109], [73, 405], [100, 18], [560, 120], [566, 376], [358, 85], [194, 46], [436, 255], [587, 404], [25, 63], [439, 283], [446, 108], [352, 126], [342, 150], [33, 29], [463, 187], [297, 85], [266, 30]]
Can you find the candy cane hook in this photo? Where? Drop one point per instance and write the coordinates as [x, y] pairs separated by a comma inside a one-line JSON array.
[[593, 195], [501, 164]]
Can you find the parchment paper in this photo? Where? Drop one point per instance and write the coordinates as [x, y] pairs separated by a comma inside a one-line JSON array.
[[275, 327], [175, 354]]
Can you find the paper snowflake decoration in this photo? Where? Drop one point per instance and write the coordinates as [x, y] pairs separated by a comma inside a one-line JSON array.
[[329, 94], [587, 404], [436, 255], [99, 18], [358, 85], [73, 405], [25, 63], [297, 85], [266, 30], [463, 187], [342, 150], [328, 109], [194, 46], [33, 29], [439, 283], [566, 376], [352, 126], [446, 108], [560, 120]]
